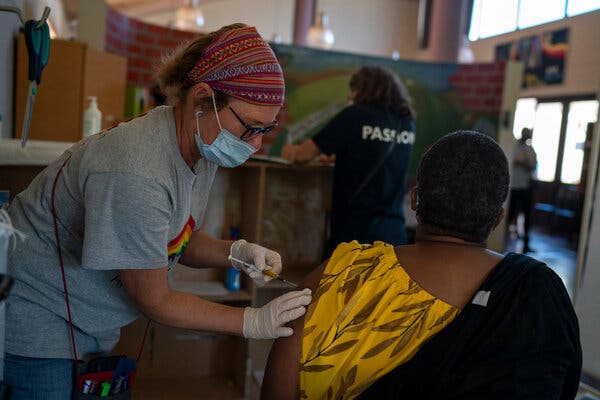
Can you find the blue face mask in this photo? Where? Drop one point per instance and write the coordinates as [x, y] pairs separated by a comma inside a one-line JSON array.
[[227, 150]]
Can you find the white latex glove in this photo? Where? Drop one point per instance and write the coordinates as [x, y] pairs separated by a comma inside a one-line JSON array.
[[259, 256], [267, 322]]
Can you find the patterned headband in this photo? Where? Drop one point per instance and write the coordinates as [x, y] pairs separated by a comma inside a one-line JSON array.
[[240, 63]]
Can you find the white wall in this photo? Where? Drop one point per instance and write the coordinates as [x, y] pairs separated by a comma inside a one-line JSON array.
[[90, 28], [583, 55], [269, 16], [9, 26], [588, 297], [376, 27]]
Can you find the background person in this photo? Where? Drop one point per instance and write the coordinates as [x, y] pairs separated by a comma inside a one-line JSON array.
[[372, 140], [521, 185], [129, 204]]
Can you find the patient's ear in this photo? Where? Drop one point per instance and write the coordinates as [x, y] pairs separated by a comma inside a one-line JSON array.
[[414, 198], [499, 218]]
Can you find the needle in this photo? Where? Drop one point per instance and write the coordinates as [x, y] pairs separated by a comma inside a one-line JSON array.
[[266, 272]]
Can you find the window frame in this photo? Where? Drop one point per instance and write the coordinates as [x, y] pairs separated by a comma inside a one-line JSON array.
[[472, 10], [566, 102]]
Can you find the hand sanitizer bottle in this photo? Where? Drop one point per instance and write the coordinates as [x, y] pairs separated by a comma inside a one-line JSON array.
[[92, 118]]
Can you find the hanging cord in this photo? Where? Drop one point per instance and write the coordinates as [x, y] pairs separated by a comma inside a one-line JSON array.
[[137, 360], [62, 266], [62, 269]]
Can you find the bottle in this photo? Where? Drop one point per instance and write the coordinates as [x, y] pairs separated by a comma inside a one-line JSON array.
[[92, 118], [233, 275]]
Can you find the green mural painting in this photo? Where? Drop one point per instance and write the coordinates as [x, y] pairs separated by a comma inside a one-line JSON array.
[[446, 97]]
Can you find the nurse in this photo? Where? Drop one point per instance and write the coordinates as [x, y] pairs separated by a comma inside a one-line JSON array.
[[126, 205]]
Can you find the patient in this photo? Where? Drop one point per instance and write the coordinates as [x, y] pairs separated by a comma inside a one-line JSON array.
[[444, 318]]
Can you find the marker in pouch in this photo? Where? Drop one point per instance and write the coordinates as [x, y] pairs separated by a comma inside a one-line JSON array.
[[105, 389], [118, 385], [87, 385]]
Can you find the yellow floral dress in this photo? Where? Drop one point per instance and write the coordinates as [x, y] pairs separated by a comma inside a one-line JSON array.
[[367, 317]]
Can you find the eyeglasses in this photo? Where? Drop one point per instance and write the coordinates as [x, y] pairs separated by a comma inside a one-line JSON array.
[[252, 131]]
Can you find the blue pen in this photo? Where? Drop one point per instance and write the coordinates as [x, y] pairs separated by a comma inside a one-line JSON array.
[[122, 371], [116, 388]]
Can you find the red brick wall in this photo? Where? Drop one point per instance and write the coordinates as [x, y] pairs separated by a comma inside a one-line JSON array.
[[481, 86], [143, 44]]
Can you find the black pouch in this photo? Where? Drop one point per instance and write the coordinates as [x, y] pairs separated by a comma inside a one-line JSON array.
[[106, 370]]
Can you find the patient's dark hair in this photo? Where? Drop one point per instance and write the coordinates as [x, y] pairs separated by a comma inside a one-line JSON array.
[[462, 182]]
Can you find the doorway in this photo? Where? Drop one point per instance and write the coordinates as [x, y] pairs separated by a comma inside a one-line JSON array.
[[561, 138]]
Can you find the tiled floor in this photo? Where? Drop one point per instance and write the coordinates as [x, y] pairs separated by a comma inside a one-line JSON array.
[[555, 251]]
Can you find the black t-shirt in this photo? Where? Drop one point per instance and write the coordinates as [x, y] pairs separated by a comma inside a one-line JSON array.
[[360, 136]]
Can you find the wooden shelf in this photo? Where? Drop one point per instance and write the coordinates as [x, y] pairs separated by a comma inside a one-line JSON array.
[[311, 166]]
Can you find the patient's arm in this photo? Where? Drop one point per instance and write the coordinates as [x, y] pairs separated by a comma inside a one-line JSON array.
[[281, 380]]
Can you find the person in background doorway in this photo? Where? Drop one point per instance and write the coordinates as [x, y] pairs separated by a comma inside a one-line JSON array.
[[120, 208], [521, 188], [372, 140]]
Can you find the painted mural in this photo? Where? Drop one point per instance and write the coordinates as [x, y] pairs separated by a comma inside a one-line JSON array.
[[543, 55], [446, 97]]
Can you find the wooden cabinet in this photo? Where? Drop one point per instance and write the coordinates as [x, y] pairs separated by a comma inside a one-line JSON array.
[[281, 207], [74, 72]]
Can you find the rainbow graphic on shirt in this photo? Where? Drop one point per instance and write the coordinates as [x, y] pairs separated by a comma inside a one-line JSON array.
[[176, 245]]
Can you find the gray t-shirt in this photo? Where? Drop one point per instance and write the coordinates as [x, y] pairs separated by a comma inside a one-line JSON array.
[[125, 200], [520, 177]]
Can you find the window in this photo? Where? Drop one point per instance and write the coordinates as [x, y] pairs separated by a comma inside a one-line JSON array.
[[553, 146], [495, 17], [536, 12], [524, 116], [581, 113], [576, 7], [545, 140]]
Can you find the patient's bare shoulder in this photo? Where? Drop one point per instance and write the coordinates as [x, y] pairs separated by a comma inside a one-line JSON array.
[[281, 380]]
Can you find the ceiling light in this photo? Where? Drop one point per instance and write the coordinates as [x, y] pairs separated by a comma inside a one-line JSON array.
[[189, 17], [319, 34]]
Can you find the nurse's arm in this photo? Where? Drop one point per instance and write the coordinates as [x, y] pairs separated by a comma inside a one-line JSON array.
[[150, 292], [205, 251]]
